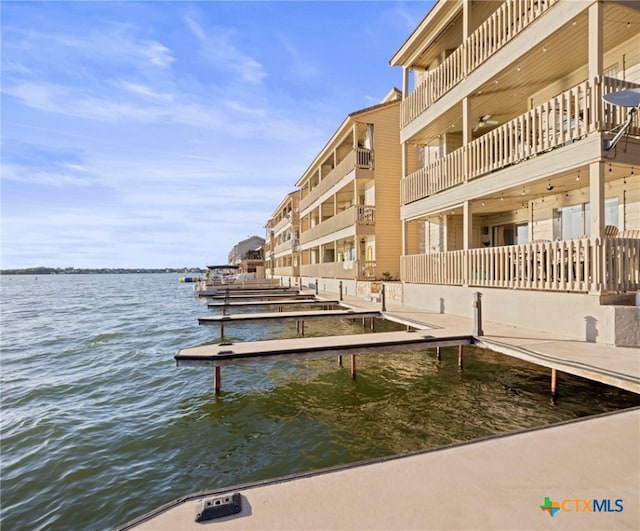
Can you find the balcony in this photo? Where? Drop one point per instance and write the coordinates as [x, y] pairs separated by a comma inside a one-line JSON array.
[[348, 270], [567, 118], [511, 18], [353, 216], [360, 158], [586, 265]]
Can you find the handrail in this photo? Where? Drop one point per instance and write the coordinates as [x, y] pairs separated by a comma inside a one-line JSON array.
[[511, 18], [568, 117], [583, 265]]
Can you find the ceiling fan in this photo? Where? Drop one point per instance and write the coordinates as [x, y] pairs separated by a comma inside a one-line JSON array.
[[485, 121]]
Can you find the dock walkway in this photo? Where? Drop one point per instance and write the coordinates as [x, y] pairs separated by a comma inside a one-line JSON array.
[[616, 366]]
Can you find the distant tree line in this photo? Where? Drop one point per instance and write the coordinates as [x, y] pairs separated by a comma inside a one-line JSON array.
[[75, 271]]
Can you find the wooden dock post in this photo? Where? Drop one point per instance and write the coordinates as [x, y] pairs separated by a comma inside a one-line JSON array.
[[460, 359], [340, 360], [221, 330], [554, 387], [316, 286], [302, 327], [383, 297], [216, 380], [438, 354], [353, 366], [341, 290]]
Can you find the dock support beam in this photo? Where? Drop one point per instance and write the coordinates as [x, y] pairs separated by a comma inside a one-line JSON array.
[[353, 366], [460, 358], [341, 290], [438, 354], [383, 297], [216, 380], [340, 360], [316, 286], [554, 387]]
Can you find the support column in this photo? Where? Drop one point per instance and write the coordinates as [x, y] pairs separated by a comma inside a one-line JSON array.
[[554, 387], [216, 380], [340, 360], [596, 40], [467, 224], [353, 366], [596, 199], [438, 353], [460, 357]]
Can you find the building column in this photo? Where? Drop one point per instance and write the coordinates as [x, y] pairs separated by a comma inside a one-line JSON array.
[[596, 40], [467, 132], [596, 199], [467, 225]]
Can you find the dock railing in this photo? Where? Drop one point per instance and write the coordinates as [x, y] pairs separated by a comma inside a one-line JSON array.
[[607, 265]]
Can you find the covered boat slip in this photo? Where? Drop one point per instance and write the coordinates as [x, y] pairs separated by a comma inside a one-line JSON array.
[[501, 482]]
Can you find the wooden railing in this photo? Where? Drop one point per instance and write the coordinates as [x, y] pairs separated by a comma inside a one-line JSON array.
[[583, 265], [504, 24], [564, 119], [350, 269], [354, 215], [360, 158]]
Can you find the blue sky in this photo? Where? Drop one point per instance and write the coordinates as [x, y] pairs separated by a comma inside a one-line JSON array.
[[159, 134]]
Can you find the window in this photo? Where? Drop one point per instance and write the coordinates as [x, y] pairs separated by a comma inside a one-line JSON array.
[[572, 222]]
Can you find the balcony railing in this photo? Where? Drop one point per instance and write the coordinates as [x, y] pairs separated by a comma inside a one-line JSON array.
[[504, 24], [350, 269], [352, 216], [360, 158], [584, 265], [567, 118]]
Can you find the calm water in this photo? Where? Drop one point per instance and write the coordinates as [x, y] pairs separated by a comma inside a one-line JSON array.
[[100, 426]]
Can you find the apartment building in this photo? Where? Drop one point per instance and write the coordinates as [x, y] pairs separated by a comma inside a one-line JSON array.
[[282, 241], [248, 256], [510, 184], [350, 231]]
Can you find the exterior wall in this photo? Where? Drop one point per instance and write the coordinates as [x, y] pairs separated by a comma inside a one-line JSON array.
[[575, 316], [388, 228]]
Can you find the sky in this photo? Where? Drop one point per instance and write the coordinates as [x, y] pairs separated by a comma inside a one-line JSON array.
[[160, 134]]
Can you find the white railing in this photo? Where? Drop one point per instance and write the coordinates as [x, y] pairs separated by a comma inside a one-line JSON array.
[[583, 265], [351, 216], [360, 158], [506, 22], [564, 119]]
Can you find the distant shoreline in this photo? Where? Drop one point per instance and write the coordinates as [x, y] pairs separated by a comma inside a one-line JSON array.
[[94, 271]]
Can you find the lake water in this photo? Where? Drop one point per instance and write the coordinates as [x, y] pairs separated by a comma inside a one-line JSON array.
[[99, 426]]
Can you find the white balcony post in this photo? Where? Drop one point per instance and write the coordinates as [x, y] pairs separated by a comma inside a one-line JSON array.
[[596, 198], [595, 39], [466, 239], [467, 121]]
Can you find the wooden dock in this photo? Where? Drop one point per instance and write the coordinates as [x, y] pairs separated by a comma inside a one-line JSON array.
[[262, 296], [305, 315], [219, 354], [283, 302]]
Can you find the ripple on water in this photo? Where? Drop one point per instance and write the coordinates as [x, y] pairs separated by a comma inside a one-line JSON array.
[[96, 412]]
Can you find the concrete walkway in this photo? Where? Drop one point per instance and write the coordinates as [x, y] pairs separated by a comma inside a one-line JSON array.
[[496, 483]]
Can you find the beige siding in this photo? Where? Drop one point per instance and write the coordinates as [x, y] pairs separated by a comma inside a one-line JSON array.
[[388, 171]]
